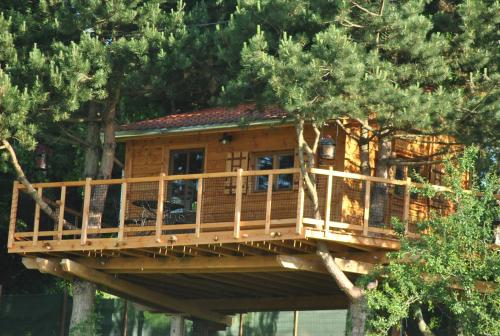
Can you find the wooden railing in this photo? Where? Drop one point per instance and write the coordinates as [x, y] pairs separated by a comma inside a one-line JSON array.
[[231, 203]]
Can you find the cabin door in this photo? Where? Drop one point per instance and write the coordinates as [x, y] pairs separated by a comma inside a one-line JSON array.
[[182, 162]]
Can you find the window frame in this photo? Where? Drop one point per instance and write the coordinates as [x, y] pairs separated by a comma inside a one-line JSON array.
[[275, 165]]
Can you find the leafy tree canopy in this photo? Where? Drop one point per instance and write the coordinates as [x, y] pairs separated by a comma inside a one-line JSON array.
[[453, 269]]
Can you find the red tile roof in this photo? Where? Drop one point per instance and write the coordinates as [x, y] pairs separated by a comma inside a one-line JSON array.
[[245, 113]]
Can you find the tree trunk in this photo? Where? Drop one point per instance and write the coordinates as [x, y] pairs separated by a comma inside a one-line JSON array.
[[83, 307], [364, 152], [84, 295], [380, 190], [356, 317]]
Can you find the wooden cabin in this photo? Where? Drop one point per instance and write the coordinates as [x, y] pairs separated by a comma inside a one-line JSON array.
[[211, 217]]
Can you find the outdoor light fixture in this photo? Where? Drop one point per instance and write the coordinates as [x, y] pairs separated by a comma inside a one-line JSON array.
[[225, 139], [327, 147]]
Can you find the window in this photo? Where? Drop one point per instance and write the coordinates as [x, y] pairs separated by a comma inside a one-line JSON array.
[[187, 161], [268, 161]]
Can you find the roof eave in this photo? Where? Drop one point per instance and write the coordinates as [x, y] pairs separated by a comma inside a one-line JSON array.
[[125, 135]]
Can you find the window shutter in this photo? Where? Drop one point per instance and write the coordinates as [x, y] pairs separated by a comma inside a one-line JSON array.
[[234, 161]]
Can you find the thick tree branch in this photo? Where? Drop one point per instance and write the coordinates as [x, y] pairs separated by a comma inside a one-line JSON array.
[[308, 178], [21, 177], [353, 292], [422, 325], [355, 4]]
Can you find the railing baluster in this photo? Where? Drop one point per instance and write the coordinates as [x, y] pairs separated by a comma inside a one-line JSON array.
[[237, 206], [199, 198], [86, 209], [328, 201], [36, 222], [159, 209], [366, 214], [268, 202], [123, 206], [300, 206], [406, 203], [60, 221], [13, 214]]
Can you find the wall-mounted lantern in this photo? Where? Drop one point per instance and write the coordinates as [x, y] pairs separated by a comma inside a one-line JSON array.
[[225, 139], [327, 147]]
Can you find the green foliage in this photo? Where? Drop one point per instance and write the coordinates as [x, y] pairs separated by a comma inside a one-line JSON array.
[[453, 251]]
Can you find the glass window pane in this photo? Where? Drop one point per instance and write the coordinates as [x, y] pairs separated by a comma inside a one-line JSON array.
[[285, 161], [179, 163], [264, 162], [261, 182], [285, 181], [196, 162]]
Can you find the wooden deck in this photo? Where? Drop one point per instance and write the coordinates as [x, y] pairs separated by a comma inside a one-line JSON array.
[[239, 250], [252, 219]]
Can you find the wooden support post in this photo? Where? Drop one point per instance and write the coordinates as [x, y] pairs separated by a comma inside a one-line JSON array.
[[60, 220], [406, 203], [237, 206], [268, 202], [86, 208], [199, 199], [240, 331], [295, 323], [159, 209], [300, 206], [177, 325], [328, 201], [36, 222], [123, 207], [13, 214], [366, 215]]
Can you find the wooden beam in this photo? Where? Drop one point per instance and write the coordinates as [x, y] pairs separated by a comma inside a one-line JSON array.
[[366, 213], [300, 206], [60, 220], [86, 208], [237, 206], [159, 209], [328, 200], [48, 266], [199, 200], [336, 301], [123, 207], [36, 221], [280, 263], [313, 263], [145, 294], [268, 203], [406, 203]]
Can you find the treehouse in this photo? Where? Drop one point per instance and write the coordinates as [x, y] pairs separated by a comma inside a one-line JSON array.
[[211, 217]]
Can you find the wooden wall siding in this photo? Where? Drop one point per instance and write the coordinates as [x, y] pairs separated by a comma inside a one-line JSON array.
[[150, 157]]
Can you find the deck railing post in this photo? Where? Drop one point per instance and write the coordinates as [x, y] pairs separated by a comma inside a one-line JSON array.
[[199, 199], [159, 209], [123, 207], [36, 221], [406, 203], [366, 214], [62, 205], [86, 208], [268, 203], [328, 200], [300, 205], [237, 206], [13, 214]]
